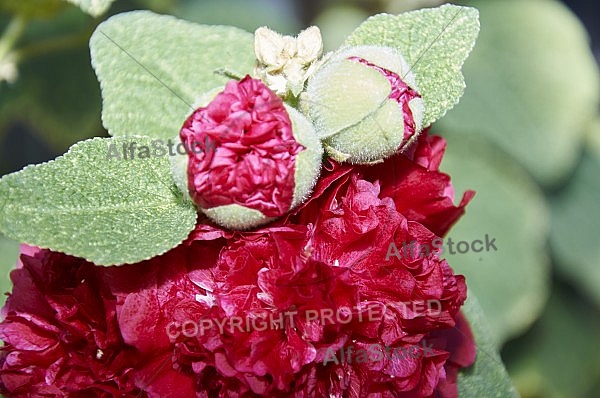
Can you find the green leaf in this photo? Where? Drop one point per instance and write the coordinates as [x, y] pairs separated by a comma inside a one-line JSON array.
[[575, 237], [9, 253], [108, 211], [93, 7], [153, 69], [487, 377], [560, 356], [532, 88], [512, 281], [435, 43]]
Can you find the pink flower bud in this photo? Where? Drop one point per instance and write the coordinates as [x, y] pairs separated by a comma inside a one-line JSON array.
[[245, 171]]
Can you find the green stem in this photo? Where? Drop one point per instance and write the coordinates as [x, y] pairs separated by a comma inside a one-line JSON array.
[[12, 34], [229, 73], [52, 45]]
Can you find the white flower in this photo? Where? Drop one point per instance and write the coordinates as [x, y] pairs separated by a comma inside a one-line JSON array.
[[285, 62]]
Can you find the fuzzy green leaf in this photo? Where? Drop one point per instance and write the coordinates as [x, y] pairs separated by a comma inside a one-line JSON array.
[[108, 211], [435, 43], [153, 68], [488, 376], [532, 88], [575, 237]]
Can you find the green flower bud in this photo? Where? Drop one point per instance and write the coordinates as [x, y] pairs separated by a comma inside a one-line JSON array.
[[364, 104]]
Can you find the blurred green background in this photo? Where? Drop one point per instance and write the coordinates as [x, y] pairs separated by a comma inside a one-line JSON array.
[[526, 137]]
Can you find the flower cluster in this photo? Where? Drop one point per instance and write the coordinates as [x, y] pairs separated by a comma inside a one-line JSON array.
[[74, 329], [288, 262]]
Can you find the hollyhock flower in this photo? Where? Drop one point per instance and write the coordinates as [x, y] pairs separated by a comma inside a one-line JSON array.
[[61, 333], [71, 327], [233, 313], [149, 296], [272, 282], [285, 274], [329, 254], [459, 342], [420, 191], [247, 173]]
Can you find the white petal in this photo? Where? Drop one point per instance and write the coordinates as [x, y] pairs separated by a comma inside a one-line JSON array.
[[289, 48], [310, 44], [268, 46], [277, 83]]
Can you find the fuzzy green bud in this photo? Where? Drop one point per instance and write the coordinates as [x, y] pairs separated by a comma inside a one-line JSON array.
[[364, 104]]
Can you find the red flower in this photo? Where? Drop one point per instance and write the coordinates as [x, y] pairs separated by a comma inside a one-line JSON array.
[[250, 159], [420, 191], [330, 255], [231, 314], [61, 332], [149, 296], [413, 181]]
